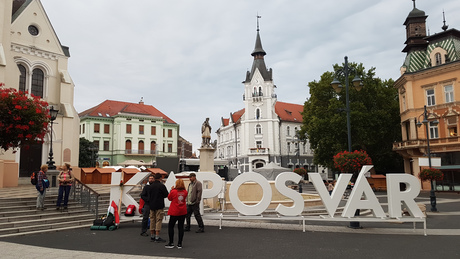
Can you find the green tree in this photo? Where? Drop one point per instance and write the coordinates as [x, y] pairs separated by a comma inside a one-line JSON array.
[[88, 153], [374, 118]]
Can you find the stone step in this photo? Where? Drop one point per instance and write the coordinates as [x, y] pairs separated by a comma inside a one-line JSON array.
[[82, 225], [32, 206], [34, 222], [19, 215], [41, 227]]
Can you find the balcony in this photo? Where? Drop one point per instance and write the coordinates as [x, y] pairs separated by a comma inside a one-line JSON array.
[[436, 145], [258, 151]]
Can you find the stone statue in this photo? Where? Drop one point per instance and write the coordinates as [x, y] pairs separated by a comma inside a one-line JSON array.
[[206, 133]]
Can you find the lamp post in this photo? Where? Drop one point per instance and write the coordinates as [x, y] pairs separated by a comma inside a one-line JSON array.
[[297, 149], [425, 121], [345, 73], [53, 115]]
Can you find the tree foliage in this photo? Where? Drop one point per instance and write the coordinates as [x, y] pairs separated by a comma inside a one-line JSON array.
[[374, 118], [88, 153]]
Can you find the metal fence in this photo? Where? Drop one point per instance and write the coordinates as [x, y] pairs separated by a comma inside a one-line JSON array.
[[86, 196]]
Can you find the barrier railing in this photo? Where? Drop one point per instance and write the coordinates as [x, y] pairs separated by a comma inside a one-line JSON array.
[[86, 196]]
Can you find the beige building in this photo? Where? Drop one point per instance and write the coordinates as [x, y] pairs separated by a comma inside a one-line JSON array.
[[32, 59], [430, 77]]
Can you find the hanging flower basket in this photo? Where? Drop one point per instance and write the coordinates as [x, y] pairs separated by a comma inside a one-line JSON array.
[[300, 171], [23, 120], [431, 174], [351, 162]]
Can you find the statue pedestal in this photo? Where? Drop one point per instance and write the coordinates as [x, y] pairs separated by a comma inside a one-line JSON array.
[[206, 159]]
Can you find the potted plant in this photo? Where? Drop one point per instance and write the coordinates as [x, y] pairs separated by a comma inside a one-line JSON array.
[[431, 174]]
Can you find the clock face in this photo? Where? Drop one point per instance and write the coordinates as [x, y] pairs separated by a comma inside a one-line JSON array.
[[33, 30]]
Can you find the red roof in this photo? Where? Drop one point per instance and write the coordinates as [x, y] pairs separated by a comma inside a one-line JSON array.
[[286, 112], [289, 111], [110, 108]]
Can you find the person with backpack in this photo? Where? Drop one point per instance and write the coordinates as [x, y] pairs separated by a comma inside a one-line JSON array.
[[41, 188], [65, 183]]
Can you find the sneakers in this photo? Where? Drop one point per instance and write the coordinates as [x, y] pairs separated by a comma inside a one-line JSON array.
[[179, 246], [159, 240], [169, 246], [144, 234], [200, 231]]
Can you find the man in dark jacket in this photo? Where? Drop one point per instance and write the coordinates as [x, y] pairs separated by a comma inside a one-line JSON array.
[[157, 193], [146, 209], [195, 190]]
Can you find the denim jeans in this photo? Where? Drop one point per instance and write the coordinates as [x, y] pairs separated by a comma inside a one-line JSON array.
[[63, 191]]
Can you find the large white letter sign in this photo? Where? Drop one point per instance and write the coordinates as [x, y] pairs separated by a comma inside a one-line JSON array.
[[170, 182], [216, 184], [354, 201], [331, 202], [116, 192], [395, 196], [247, 209], [280, 184]]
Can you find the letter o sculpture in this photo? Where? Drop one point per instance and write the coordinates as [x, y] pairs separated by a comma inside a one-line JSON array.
[[250, 210]]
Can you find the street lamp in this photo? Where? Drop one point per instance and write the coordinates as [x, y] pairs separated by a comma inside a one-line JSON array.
[[357, 83], [345, 73], [297, 150], [53, 115], [425, 121]]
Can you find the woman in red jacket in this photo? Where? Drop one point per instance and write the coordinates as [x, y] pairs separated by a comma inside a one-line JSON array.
[[177, 212]]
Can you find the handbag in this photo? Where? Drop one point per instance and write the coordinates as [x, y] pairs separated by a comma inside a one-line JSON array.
[[46, 183]]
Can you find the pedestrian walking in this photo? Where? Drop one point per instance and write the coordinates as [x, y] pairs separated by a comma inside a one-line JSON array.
[[195, 190], [157, 194], [41, 188], [146, 208], [65, 179], [177, 212]]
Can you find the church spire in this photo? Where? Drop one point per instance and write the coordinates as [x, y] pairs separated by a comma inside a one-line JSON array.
[[444, 27], [258, 51]]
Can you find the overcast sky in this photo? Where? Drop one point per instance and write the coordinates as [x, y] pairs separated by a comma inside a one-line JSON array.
[[188, 57]]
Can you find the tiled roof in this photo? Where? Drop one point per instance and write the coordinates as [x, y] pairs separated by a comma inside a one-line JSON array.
[[286, 112], [289, 111], [110, 108]]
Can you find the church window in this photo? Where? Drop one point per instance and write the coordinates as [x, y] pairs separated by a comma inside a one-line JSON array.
[[288, 131], [257, 113], [38, 78], [449, 91], [430, 97], [288, 147], [259, 144], [22, 78], [260, 91], [438, 59], [258, 129]]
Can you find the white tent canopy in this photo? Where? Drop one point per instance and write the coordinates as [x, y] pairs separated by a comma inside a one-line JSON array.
[[271, 170]]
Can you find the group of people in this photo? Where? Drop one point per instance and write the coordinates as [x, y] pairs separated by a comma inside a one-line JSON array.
[[65, 179], [184, 203]]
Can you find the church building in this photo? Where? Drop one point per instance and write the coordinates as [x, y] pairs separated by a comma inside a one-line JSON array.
[[33, 60]]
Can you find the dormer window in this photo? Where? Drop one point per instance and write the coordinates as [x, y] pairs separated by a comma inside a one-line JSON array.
[[438, 59]]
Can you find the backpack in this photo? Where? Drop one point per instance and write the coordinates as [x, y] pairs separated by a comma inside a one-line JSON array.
[[34, 178], [130, 210]]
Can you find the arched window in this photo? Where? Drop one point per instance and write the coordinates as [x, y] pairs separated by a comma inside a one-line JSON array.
[[37, 82], [153, 146], [22, 78], [257, 113], [438, 59], [258, 129], [288, 131], [260, 91], [128, 146], [141, 147]]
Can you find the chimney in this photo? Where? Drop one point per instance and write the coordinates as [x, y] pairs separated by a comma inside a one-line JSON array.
[[141, 101]]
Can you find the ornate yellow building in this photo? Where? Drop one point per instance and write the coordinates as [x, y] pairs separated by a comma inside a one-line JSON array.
[[430, 77]]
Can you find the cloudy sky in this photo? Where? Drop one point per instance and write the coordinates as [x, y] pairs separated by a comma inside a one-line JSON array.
[[188, 57]]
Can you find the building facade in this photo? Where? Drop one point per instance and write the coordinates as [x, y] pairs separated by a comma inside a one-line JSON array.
[[129, 131], [265, 130], [32, 59], [430, 77]]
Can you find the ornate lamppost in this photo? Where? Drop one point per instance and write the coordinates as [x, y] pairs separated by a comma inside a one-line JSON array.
[[53, 115], [345, 73], [297, 151], [425, 121]]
